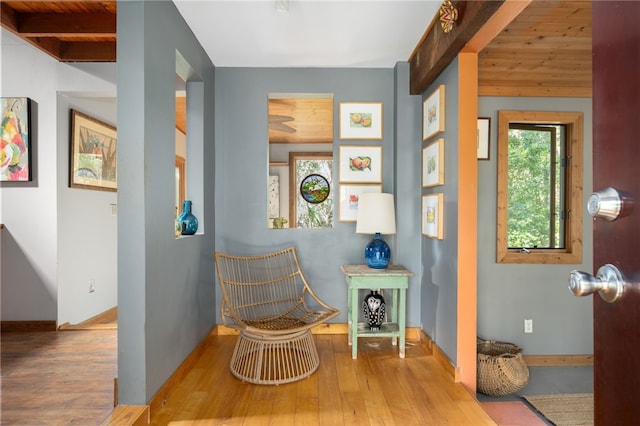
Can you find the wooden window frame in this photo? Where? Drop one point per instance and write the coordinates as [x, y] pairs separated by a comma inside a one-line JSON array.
[[182, 181], [572, 252], [293, 188]]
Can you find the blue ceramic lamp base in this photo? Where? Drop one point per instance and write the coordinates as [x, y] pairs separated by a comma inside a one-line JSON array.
[[377, 253]]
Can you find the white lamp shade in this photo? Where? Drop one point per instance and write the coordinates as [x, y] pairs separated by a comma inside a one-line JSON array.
[[376, 213]]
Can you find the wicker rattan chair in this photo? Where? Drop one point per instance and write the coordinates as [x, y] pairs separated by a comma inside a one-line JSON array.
[[265, 298]]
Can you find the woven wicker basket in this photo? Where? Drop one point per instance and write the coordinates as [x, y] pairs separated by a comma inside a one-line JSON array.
[[501, 368]]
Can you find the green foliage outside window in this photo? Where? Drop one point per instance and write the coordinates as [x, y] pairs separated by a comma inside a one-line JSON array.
[[535, 186]]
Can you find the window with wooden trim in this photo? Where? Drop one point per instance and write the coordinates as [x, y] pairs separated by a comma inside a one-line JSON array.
[[540, 187], [306, 213]]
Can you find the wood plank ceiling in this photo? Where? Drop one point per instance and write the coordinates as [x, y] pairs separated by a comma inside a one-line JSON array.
[[545, 51]]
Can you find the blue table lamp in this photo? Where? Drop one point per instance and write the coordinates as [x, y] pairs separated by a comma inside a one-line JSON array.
[[376, 215]]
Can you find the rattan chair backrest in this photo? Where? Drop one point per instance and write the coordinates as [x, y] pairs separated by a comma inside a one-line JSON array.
[[257, 288]]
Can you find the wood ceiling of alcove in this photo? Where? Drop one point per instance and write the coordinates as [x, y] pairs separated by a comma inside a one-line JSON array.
[[311, 118], [545, 51]]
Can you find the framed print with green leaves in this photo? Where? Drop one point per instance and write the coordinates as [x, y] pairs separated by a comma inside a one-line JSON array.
[[433, 164]]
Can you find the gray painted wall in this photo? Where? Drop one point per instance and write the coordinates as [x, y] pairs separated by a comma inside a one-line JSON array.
[[165, 284], [440, 257], [242, 169], [509, 293], [408, 154]]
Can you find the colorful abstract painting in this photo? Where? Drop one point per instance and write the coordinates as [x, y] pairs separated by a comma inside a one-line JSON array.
[[15, 149]]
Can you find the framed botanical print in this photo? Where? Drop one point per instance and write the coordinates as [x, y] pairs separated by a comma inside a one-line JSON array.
[[361, 120], [432, 209], [433, 114], [349, 197], [360, 164], [433, 164]]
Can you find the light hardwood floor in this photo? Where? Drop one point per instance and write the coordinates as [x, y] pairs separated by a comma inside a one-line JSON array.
[[378, 388], [62, 378]]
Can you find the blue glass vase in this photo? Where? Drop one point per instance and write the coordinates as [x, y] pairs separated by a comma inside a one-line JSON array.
[[377, 253], [187, 219]]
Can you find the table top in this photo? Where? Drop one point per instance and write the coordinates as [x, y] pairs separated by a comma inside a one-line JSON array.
[[365, 271]]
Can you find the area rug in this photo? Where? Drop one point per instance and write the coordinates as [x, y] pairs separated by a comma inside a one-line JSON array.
[[512, 413], [567, 409]]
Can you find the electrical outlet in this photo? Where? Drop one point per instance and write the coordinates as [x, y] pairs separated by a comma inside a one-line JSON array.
[[528, 326], [92, 285]]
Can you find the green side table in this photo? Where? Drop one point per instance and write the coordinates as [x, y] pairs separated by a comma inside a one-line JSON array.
[[394, 278]]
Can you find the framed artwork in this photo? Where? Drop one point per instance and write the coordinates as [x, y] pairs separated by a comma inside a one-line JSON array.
[[315, 188], [274, 196], [93, 161], [15, 140], [484, 133], [349, 196], [360, 120], [432, 208], [433, 114], [433, 164], [360, 164]]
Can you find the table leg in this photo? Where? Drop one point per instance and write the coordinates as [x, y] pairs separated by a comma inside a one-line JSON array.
[[354, 323], [402, 319], [349, 322], [394, 313]]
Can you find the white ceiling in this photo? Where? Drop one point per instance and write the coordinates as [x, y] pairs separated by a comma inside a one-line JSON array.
[[312, 33]]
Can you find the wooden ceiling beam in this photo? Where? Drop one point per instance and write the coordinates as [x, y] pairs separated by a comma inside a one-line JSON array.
[[76, 51], [8, 18], [438, 49], [88, 51], [66, 24], [67, 37], [49, 45]]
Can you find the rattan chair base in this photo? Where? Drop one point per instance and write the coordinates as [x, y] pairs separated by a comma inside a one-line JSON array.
[[275, 360], [265, 298]]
